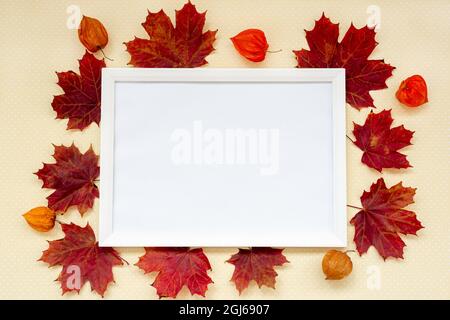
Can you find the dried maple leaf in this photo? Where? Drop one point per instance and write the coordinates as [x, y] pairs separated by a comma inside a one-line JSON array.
[[73, 178], [362, 75], [256, 264], [177, 267], [81, 100], [82, 259], [381, 143], [184, 46], [382, 218]]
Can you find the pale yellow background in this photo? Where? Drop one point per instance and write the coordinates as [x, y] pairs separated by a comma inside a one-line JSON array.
[[414, 37]]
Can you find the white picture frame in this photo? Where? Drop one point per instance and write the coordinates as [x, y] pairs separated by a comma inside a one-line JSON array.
[[140, 207]]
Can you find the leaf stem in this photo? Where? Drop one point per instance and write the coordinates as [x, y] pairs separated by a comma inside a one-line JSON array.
[[354, 207], [104, 55], [349, 138], [268, 51]]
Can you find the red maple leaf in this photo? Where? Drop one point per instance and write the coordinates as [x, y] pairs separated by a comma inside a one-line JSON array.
[[382, 218], [184, 46], [352, 53], [381, 143], [256, 264], [73, 178], [82, 259], [177, 267], [81, 100]]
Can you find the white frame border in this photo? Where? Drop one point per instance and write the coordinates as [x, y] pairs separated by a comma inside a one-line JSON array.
[[112, 75]]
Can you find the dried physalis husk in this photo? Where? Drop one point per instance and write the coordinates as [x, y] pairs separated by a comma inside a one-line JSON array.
[[41, 218], [92, 34], [413, 91], [336, 265], [251, 44]]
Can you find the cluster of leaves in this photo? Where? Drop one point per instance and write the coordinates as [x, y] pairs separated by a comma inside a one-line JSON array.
[[382, 216], [73, 175]]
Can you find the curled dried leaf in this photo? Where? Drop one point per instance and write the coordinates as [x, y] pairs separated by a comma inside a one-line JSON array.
[[336, 265], [41, 219], [92, 34]]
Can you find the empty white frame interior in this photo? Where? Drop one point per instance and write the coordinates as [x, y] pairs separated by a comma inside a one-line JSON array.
[[223, 157]]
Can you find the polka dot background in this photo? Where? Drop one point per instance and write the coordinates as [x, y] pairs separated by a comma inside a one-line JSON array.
[[414, 36]]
